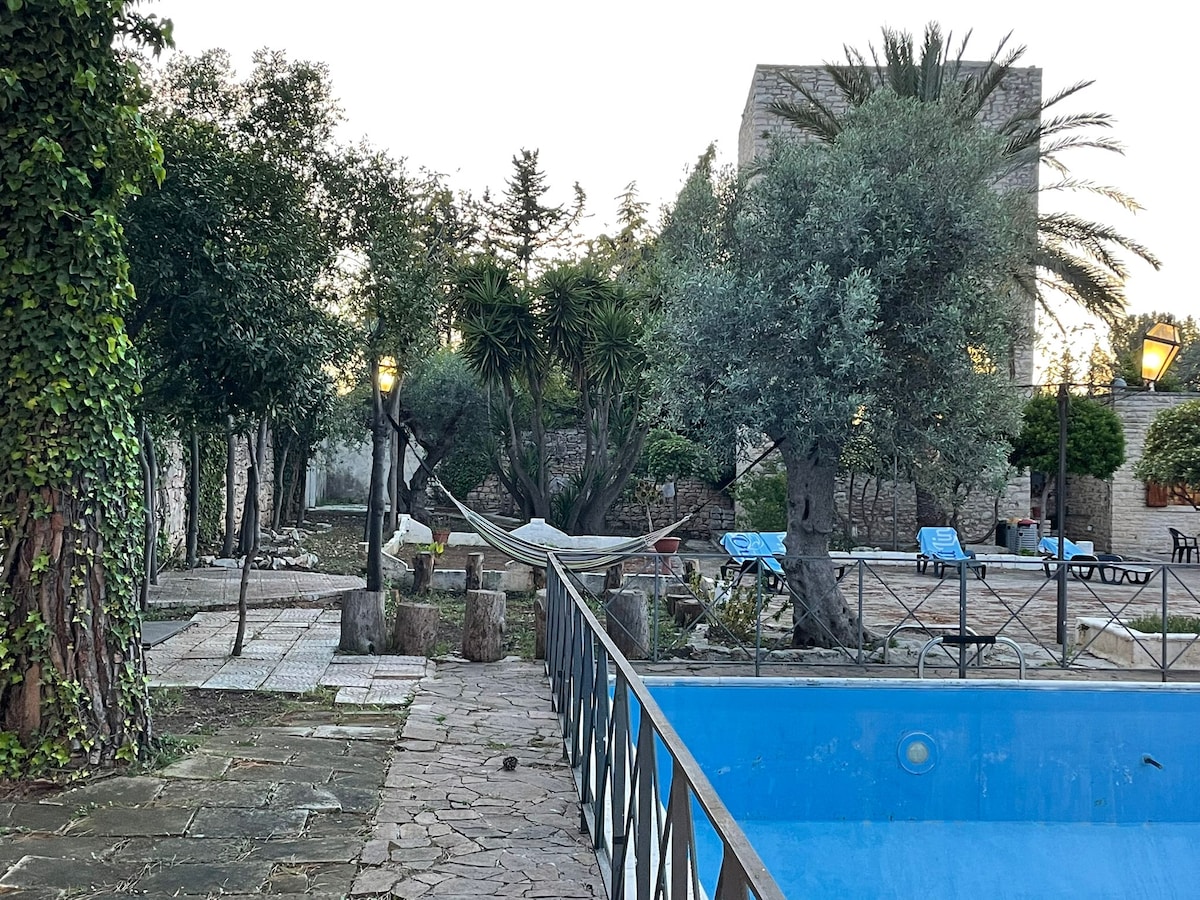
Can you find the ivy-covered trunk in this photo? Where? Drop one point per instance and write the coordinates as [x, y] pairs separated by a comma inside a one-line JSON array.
[[72, 674], [820, 617]]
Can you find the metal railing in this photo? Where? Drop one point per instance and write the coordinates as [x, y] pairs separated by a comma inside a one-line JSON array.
[[1030, 602], [620, 745]]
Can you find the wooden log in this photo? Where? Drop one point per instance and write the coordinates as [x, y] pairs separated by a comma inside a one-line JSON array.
[[691, 569], [483, 626], [626, 617], [540, 601], [363, 629], [677, 593], [416, 629], [474, 571], [422, 573], [688, 611], [614, 575]]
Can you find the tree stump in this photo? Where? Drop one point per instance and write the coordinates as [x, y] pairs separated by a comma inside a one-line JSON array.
[[676, 594], [416, 629], [627, 621], [691, 569], [614, 575], [540, 601], [483, 626], [422, 573], [363, 629], [539, 578], [688, 611], [474, 571]]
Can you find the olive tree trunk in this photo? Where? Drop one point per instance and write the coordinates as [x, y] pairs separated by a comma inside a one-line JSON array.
[[820, 617]]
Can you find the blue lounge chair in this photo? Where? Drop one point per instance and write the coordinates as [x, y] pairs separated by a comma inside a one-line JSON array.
[[1112, 568], [941, 547], [755, 551]]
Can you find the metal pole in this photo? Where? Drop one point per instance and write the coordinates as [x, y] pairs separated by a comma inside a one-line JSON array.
[[962, 618], [1162, 573], [895, 491], [1060, 513]]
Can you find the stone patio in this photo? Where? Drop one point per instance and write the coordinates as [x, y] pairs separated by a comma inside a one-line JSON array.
[[288, 650], [330, 805]]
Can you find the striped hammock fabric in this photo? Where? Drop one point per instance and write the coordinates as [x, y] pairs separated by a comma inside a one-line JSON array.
[[537, 555]]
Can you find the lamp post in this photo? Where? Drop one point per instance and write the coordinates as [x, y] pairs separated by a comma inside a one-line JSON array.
[[383, 382], [1159, 349]]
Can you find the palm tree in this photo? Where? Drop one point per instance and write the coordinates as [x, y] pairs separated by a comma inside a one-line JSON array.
[[1073, 257]]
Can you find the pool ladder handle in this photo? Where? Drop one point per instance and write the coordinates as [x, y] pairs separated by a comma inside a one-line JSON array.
[[979, 639], [928, 629]]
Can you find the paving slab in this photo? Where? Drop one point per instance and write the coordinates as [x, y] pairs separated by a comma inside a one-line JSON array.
[[287, 650]]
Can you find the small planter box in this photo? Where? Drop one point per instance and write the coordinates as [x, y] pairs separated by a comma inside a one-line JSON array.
[[1136, 649]]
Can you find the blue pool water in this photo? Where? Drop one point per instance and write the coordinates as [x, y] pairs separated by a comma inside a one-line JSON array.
[[852, 788]]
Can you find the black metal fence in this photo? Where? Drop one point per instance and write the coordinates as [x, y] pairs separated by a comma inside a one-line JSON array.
[[640, 789], [1062, 616]]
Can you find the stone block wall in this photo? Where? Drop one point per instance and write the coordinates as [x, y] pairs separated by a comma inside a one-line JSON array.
[[172, 490], [1134, 527]]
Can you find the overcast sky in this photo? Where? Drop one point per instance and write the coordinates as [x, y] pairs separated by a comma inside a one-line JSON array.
[[627, 91]]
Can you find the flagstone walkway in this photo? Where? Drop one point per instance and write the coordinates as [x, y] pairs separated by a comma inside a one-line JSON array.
[[456, 822], [288, 650]]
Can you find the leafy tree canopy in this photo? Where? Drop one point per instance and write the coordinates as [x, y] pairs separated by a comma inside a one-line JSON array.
[[867, 279], [1095, 440], [1171, 455], [1074, 258]]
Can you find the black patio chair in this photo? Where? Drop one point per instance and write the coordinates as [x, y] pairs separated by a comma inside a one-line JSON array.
[[1182, 545]]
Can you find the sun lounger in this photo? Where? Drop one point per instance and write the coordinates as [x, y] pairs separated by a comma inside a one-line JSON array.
[[940, 548]]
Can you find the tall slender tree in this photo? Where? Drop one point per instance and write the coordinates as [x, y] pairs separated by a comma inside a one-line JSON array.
[[72, 674]]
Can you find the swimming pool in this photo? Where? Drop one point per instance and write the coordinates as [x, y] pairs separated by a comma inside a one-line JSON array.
[[850, 788]]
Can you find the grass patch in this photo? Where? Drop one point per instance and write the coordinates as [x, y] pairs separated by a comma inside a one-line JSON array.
[[1175, 624]]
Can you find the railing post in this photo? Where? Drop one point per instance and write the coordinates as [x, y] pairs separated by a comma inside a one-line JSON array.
[[1162, 574], [647, 805], [962, 618], [862, 628]]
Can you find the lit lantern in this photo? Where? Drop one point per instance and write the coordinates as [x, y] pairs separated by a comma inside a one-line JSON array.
[[1159, 350]]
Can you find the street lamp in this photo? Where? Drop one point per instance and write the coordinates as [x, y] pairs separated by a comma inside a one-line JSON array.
[[1159, 349], [383, 383]]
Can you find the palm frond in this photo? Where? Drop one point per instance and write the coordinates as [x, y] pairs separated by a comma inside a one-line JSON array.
[[1085, 233], [1103, 190], [1081, 282]]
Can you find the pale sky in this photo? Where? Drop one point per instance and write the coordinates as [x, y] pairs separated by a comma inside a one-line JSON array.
[[634, 91]]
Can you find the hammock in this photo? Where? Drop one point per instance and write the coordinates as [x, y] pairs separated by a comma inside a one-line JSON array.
[[538, 555]]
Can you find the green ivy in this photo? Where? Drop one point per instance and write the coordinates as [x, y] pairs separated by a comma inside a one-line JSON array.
[[73, 149]]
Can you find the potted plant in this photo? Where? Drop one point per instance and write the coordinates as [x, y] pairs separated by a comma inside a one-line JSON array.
[[440, 526]]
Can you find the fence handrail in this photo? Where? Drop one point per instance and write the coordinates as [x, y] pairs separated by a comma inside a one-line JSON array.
[[735, 843]]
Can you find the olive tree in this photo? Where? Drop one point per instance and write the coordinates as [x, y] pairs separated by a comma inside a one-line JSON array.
[[862, 280]]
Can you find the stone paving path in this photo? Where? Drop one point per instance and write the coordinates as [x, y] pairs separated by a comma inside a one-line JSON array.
[[454, 823], [281, 811], [288, 650], [219, 587], [330, 805]]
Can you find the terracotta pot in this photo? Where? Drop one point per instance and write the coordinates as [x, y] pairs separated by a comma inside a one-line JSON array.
[[666, 545], [441, 536]]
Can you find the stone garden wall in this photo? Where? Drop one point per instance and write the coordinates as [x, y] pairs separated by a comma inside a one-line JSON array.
[[1115, 512]]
